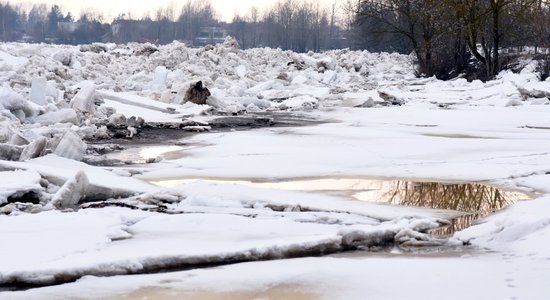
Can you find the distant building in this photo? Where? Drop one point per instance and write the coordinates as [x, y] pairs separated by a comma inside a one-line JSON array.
[[67, 27], [143, 31], [126, 31], [164, 32], [210, 36]]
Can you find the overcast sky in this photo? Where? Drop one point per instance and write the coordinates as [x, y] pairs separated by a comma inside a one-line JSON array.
[[112, 8]]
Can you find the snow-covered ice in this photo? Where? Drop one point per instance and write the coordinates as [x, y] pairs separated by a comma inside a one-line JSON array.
[[485, 276], [17, 182], [374, 119]]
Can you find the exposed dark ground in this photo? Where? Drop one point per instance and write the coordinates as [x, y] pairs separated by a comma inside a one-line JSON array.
[[165, 134], [170, 133]]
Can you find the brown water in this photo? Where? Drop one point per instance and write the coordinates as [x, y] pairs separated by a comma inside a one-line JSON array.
[[474, 199]]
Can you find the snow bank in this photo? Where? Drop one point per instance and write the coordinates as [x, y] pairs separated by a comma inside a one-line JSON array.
[[105, 242], [339, 278], [522, 228]]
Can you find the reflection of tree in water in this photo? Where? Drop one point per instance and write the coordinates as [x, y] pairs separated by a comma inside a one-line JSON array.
[[476, 200], [462, 197]]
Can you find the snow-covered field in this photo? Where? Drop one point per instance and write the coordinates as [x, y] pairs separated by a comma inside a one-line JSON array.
[[375, 120]]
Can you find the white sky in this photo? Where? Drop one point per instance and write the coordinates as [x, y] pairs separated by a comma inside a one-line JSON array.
[[112, 8]]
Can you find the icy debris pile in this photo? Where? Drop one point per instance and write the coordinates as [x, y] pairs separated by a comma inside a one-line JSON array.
[[95, 48], [231, 42], [162, 72], [53, 182], [43, 124], [89, 90], [104, 91], [14, 107]]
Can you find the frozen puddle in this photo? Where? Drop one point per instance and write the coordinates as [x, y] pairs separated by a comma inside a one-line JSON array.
[[473, 199]]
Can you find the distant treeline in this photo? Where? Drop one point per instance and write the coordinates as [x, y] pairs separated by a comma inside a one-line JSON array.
[[293, 25], [477, 38], [450, 37]]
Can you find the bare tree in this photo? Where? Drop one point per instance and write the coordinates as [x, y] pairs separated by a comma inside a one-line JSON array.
[[254, 19], [419, 22], [432, 29], [37, 22], [10, 22], [296, 25], [240, 27], [194, 15]]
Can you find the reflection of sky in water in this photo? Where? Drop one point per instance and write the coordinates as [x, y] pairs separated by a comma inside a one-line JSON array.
[[140, 155], [464, 197], [154, 152], [326, 184]]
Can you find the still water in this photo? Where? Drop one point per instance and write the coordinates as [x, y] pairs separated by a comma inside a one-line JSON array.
[[474, 199]]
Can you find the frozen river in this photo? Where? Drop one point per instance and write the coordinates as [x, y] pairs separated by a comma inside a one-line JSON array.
[[385, 186]]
